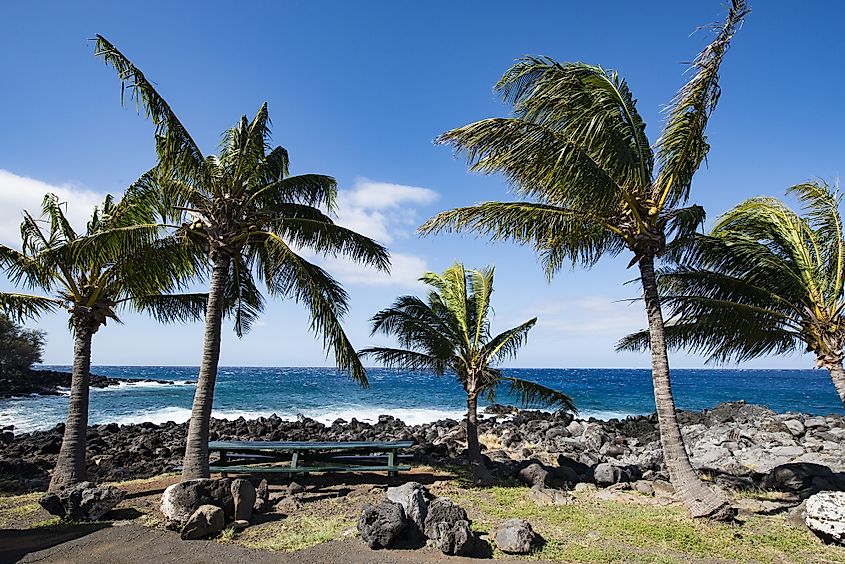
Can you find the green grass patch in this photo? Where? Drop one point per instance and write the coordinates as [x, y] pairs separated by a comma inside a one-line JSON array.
[[591, 530], [16, 508], [294, 533]]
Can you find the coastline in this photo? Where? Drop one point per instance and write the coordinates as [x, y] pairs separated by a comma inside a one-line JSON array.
[[736, 443]]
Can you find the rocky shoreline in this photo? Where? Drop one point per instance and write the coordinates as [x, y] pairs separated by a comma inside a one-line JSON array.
[[49, 382], [739, 445]]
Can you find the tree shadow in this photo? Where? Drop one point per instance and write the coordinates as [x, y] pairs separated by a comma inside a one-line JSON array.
[[17, 543]]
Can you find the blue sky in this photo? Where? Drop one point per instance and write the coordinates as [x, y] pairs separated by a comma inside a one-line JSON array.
[[359, 90]]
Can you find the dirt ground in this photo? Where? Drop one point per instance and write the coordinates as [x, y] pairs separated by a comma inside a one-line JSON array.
[[135, 535], [319, 526]]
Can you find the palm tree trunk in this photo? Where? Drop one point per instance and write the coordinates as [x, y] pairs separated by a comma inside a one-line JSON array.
[[700, 500], [195, 463], [837, 374], [479, 471], [70, 464]]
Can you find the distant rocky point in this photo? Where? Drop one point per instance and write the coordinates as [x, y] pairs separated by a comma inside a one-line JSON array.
[[48, 382]]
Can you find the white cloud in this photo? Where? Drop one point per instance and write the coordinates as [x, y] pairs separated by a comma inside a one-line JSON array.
[[589, 317], [405, 270], [18, 193], [382, 210]]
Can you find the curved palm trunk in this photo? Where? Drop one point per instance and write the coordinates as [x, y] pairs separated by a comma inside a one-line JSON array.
[[195, 463], [70, 464], [700, 500], [837, 374], [479, 470]]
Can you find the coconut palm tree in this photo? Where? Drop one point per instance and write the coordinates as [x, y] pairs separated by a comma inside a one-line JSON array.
[[249, 218], [766, 280], [450, 332], [119, 261], [576, 146]]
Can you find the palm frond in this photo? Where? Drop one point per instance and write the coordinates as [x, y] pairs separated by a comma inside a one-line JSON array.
[[329, 239], [538, 161], [683, 146], [531, 394], [590, 107], [288, 274], [21, 307], [177, 150], [506, 344], [560, 235], [404, 359], [173, 308]]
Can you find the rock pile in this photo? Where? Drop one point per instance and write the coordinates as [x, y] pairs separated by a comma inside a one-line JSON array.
[[741, 445], [82, 502], [410, 515], [202, 508]]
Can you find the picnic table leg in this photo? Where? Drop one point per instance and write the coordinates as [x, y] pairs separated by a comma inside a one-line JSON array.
[[391, 461], [223, 459]]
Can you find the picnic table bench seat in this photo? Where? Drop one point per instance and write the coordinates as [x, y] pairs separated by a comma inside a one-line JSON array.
[[291, 457]]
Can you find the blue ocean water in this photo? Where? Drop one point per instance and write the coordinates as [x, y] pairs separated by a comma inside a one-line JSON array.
[[325, 394]]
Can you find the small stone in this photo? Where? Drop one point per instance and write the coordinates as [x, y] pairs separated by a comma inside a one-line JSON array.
[[796, 428], [294, 488], [585, 487], [244, 496], [179, 501], [533, 475], [824, 514], [515, 536], [413, 497], [663, 488], [206, 521], [456, 538], [442, 510], [240, 524], [380, 524], [83, 501], [289, 504], [644, 487], [549, 496]]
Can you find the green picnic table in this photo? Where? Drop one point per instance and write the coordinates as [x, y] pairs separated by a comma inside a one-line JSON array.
[[291, 457]]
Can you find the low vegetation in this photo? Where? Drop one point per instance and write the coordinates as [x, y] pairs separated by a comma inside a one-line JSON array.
[[591, 529]]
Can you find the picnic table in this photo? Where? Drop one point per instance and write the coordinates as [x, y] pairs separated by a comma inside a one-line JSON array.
[[291, 457]]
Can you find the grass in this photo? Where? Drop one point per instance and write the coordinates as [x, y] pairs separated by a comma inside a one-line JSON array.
[[606, 531], [15, 508], [295, 533], [588, 530]]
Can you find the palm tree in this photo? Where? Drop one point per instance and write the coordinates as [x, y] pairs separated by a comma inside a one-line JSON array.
[[576, 145], [248, 217], [119, 261], [450, 332], [766, 280]]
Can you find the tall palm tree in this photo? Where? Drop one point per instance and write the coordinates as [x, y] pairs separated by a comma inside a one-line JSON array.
[[576, 146], [450, 332], [120, 260], [248, 217], [766, 280]]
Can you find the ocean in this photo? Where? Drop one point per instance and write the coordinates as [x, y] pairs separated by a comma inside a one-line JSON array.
[[325, 395]]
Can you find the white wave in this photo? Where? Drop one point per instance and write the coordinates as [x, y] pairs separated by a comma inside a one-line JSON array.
[[411, 416], [605, 415], [141, 385]]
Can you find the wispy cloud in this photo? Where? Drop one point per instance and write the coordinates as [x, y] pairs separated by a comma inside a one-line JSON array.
[[405, 270], [18, 193], [382, 210], [386, 212], [589, 317]]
